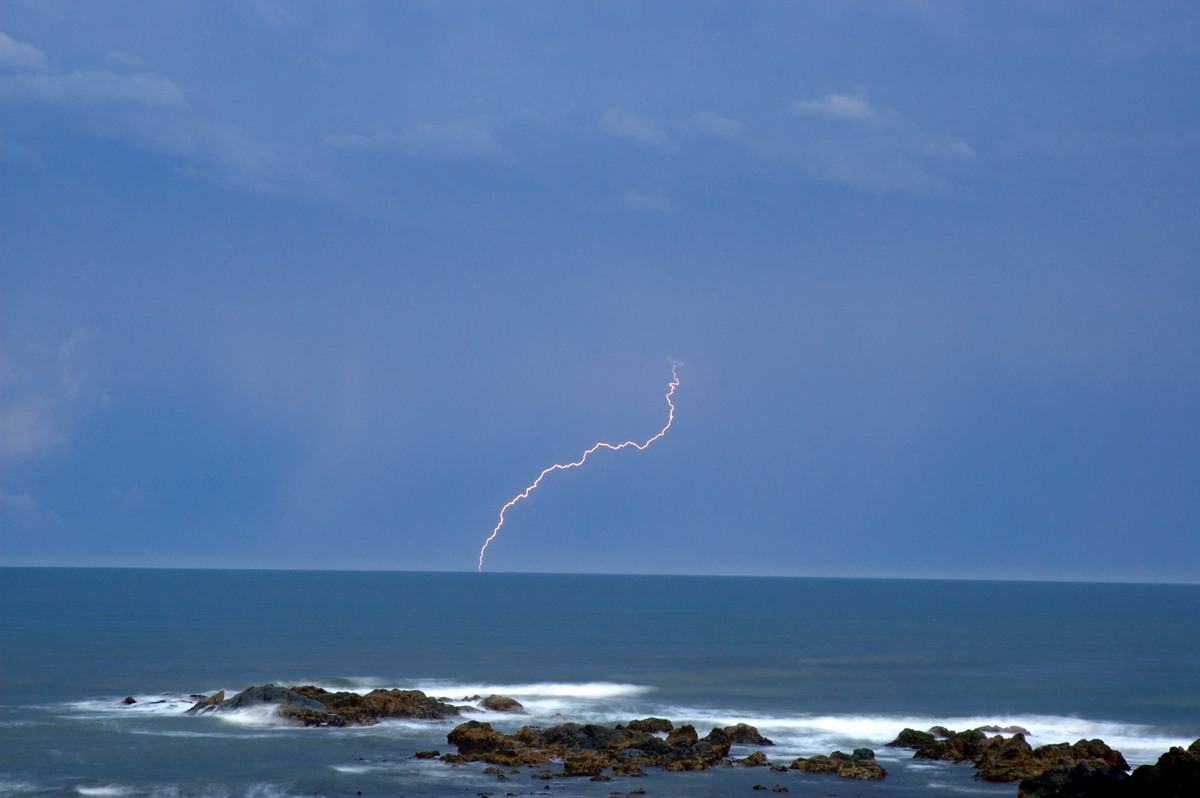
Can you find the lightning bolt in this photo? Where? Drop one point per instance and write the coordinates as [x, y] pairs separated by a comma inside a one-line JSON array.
[[675, 364]]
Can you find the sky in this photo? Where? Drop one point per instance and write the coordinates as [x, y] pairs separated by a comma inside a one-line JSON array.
[[300, 284]]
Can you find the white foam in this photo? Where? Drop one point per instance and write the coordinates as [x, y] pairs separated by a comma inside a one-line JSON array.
[[105, 791], [587, 691], [810, 734]]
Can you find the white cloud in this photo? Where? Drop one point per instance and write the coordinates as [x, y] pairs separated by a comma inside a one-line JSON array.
[[647, 201], [846, 107], [467, 139], [631, 127], [19, 55], [28, 427], [718, 126], [949, 148], [19, 503], [92, 88]]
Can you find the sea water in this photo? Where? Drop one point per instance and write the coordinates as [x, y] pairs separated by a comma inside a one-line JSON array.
[[816, 664]]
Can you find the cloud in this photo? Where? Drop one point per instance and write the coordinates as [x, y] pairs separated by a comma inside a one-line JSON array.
[[92, 88], [841, 139], [846, 107], [631, 127], [438, 140], [28, 427], [467, 139], [21, 504], [18, 55], [647, 201], [711, 124]]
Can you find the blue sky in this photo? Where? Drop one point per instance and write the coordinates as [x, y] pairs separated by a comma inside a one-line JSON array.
[[324, 285]]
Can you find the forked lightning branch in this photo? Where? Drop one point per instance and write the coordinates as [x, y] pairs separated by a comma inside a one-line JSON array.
[[583, 459]]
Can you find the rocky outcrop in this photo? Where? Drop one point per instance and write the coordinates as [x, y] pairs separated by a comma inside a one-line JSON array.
[[651, 725], [756, 760], [859, 765], [911, 738], [1175, 775], [745, 734], [501, 703], [588, 749], [1002, 759], [313, 706]]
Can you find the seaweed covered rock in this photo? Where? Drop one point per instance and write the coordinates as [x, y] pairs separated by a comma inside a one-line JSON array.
[[652, 725], [958, 747], [859, 765], [911, 738], [1175, 775], [502, 703]]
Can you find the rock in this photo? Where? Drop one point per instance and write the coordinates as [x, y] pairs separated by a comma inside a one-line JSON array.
[[859, 765], [1081, 780], [745, 734], [958, 747], [757, 759], [685, 735], [651, 725], [1002, 759], [500, 703], [588, 749], [1176, 774], [369, 709], [779, 788], [427, 754], [911, 738], [941, 732], [207, 703], [128, 700], [994, 729]]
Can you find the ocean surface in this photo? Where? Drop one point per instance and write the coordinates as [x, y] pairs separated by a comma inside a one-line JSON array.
[[815, 664]]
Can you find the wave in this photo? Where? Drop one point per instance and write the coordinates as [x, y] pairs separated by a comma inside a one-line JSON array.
[[808, 734], [615, 702], [107, 791]]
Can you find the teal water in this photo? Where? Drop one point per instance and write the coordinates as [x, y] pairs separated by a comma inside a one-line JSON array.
[[817, 664]]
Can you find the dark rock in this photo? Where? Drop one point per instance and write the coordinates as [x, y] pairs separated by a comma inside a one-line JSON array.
[[941, 732], [958, 747], [779, 788], [651, 725], [745, 734], [1175, 775], [369, 709], [427, 754], [588, 749], [684, 735], [757, 759], [1081, 780], [759, 787], [500, 703], [129, 700], [207, 703], [859, 765], [911, 738], [994, 729]]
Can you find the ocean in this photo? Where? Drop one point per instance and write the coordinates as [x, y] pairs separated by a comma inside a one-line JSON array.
[[816, 664]]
